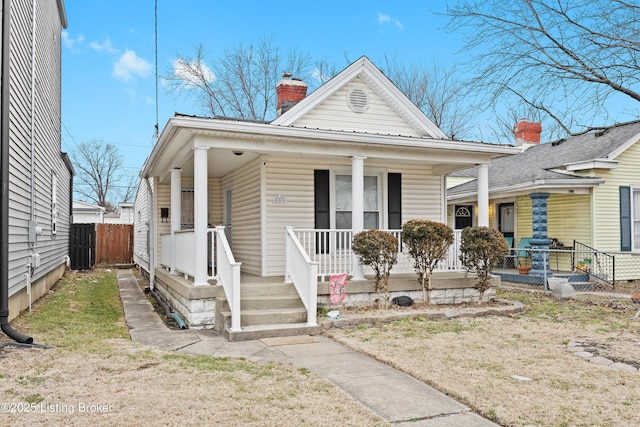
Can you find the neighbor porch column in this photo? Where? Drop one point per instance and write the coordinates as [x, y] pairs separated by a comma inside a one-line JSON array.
[[540, 240], [200, 215], [176, 212], [483, 195], [357, 209]]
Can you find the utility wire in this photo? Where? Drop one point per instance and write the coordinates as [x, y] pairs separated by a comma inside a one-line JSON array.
[[155, 15]]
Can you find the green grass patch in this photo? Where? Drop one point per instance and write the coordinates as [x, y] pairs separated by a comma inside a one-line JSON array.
[[223, 364], [80, 313]]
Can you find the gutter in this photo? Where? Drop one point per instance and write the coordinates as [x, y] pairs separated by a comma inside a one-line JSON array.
[[526, 188], [4, 173]]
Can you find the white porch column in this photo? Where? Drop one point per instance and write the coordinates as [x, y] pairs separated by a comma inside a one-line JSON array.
[[176, 211], [483, 195], [357, 208], [200, 215]]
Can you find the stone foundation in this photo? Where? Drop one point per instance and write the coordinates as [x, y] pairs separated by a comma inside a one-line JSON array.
[[19, 301], [196, 304], [448, 288]]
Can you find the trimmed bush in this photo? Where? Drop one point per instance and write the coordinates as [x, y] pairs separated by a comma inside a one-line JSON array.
[[428, 242], [481, 249], [378, 250]]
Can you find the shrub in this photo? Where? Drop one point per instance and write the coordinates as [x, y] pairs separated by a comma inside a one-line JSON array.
[[378, 250], [428, 242], [481, 249]]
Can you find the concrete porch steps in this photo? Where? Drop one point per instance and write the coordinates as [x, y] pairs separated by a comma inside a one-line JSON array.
[[267, 310], [257, 332]]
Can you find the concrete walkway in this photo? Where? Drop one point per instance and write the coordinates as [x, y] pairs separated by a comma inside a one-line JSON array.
[[406, 401]]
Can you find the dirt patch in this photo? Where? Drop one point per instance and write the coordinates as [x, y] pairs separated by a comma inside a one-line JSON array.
[[616, 349]]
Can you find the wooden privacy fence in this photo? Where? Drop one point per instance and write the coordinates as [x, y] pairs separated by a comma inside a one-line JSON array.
[[114, 244]]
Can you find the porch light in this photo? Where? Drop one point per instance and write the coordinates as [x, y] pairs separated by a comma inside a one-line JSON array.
[[238, 153]]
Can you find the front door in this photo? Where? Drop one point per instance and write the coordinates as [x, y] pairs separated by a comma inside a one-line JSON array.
[[463, 216], [506, 219]]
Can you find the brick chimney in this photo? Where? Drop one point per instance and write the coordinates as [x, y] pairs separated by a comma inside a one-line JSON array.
[[290, 91], [527, 133]]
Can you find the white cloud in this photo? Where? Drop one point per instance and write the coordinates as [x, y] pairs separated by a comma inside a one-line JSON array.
[[317, 75], [188, 70], [105, 46], [69, 42], [131, 93], [130, 65], [384, 19]]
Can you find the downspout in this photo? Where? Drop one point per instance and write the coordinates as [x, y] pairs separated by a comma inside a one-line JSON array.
[[4, 173], [151, 238]]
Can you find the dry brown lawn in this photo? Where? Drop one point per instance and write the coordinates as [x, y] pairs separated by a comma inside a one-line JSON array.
[[95, 376], [517, 369]]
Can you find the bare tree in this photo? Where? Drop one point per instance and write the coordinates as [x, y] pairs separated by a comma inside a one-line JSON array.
[[241, 83], [99, 167], [436, 91], [574, 61]]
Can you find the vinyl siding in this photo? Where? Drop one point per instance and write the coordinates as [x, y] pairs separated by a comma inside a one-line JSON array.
[[569, 218], [293, 179], [335, 114], [141, 226], [607, 198], [30, 194], [163, 200], [523, 219], [245, 214]]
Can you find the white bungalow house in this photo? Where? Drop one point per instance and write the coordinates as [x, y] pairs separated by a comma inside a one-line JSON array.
[[35, 207], [122, 215], [242, 204], [87, 213]]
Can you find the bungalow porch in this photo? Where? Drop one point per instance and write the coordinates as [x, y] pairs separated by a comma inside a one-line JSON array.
[[245, 306]]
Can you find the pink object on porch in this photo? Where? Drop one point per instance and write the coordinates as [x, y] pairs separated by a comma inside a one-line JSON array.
[[337, 288]]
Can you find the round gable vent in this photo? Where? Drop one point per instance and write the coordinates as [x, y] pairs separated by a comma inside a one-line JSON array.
[[358, 99]]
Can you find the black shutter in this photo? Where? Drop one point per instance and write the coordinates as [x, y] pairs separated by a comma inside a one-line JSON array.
[[394, 209], [625, 218], [322, 212]]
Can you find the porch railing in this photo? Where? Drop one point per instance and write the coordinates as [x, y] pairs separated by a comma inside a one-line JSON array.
[[228, 274], [221, 262], [600, 265], [331, 249], [303, 273], [180, 256]]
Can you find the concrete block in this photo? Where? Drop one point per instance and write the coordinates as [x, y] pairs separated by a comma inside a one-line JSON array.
[[555, 281], [563, 290], [602, 361]]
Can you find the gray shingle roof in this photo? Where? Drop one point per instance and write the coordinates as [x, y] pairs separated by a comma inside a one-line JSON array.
[[537, 162]]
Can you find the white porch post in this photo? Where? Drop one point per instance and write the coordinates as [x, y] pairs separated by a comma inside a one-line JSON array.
[[357, 208], [176, 211], [483, 195], [200, 210]]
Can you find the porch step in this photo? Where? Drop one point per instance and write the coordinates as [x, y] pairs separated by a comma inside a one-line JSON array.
[[267, 302], [264, 317], [271, 331], [268, 290], [582, 286], [267, 310]]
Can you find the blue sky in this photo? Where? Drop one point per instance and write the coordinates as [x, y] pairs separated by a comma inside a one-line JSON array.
[[108, 52]]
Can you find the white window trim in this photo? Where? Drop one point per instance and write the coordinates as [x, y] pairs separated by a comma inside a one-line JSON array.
[[633, 189], [380, 173]]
